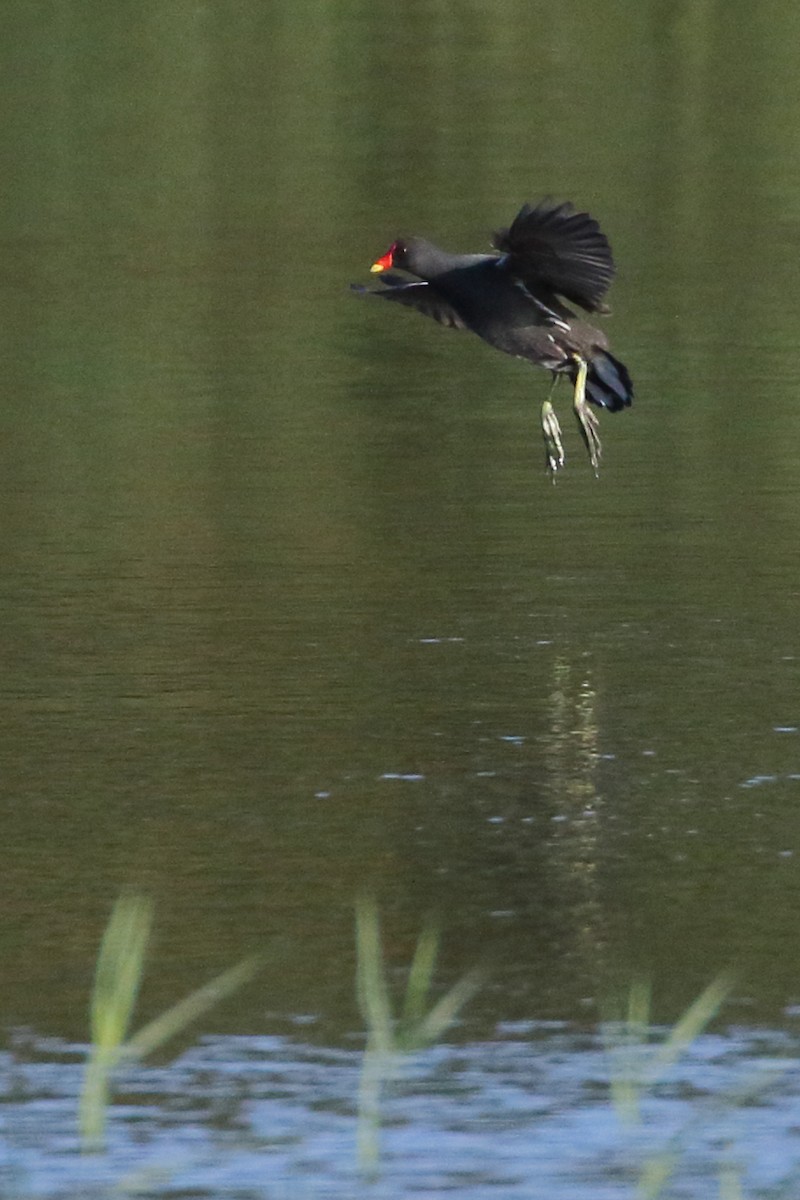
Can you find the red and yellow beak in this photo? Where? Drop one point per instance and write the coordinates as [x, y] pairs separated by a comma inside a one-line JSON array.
[[384, 263]]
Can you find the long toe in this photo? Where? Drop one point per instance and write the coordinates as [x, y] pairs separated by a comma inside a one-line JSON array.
[[587, 421], [588, 425], [553, 446]]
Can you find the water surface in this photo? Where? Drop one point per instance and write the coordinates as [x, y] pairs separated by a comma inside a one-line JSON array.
[[289, 606]]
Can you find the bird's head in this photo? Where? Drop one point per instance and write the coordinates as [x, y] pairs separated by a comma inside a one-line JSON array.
[[395, 256]]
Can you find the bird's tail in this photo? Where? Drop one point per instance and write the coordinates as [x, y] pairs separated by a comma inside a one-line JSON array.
[[608, 384]]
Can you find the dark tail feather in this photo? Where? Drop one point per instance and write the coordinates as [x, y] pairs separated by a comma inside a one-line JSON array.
[[608, 384]]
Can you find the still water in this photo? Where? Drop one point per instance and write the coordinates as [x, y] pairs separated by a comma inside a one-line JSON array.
[[289, 607]]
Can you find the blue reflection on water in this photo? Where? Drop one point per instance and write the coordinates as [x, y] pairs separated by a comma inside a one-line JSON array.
[[527, 1114]]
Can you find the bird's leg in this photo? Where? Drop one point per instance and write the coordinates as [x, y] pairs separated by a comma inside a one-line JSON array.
[[551, 430], [587, 420]]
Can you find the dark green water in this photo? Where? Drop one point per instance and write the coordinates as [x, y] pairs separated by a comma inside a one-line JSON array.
[[288, 605]]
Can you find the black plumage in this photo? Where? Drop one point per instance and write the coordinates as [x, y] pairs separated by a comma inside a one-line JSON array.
[[514, 300]]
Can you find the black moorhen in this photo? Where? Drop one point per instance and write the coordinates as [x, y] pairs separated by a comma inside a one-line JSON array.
[[512, 299]]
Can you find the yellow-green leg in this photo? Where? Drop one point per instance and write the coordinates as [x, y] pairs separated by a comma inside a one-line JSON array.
[[587, 420], [551, 430]]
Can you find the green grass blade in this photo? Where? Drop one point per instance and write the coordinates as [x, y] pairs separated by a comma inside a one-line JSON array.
[[626, 1088], [120, 966], [691, 1025], [655, 1175], [388, 1039], [369, 1114], [380, 1053], [118, 976], [176, 1019], [635, 1064], [730, 1183], [626, 1042], [445, 1011], [639, 1007], [420, 976], [372, 991]]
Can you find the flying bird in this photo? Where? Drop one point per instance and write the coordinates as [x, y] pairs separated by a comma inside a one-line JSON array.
[[515, 298]]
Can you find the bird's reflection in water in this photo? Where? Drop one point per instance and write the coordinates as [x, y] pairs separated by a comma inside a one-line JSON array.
[[576, 810]]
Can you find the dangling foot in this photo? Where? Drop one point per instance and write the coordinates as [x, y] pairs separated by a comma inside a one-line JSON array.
[[551, 430], [587, 420], [553, 448]]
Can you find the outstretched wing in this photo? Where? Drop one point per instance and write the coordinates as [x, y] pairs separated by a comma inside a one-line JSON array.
[[565, 251], [420, 296]]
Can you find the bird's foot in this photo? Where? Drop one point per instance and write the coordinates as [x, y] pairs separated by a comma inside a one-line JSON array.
[[553, 446], [587, 420], [588, 425]]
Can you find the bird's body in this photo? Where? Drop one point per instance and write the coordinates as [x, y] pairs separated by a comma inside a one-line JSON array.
[[512, 300]]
